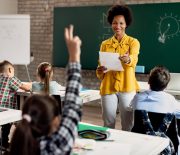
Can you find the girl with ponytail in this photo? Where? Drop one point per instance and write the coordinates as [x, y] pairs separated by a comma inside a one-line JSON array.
[[45, 83], [41, 131], [38, 115]]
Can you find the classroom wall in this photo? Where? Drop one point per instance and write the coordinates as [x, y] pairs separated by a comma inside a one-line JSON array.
[[8, 6], [41, 12]]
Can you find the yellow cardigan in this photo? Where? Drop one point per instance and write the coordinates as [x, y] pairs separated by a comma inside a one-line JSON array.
[[120, 81]]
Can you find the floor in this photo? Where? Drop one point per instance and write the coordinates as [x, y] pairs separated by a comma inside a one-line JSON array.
[[93, 115]]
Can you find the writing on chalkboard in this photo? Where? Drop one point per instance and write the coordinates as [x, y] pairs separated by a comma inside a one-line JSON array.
[[169, 27]]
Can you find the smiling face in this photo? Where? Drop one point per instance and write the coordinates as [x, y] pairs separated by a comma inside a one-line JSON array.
[[119, 25]]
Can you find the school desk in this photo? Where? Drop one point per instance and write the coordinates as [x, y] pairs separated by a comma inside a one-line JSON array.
[[87, 95], [118, 142], [126, 143], [9, 116]]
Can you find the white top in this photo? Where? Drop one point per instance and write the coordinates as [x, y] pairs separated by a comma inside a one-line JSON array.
[[156, 101]]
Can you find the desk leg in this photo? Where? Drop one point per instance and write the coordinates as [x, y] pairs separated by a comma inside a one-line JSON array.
[[21, 102], [1, 141]]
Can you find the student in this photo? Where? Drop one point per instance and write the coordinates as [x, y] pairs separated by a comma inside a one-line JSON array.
[[9, 84], [156, 99], [45, 84], [39, 131], [119, 87]]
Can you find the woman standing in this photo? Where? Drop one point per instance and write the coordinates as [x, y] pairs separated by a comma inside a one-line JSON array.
[[119, 87]]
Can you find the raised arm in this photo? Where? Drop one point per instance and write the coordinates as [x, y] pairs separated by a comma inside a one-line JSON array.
[[63, 140], [73, 44]]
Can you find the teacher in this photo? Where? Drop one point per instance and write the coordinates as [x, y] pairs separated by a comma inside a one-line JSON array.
[[118, 88]]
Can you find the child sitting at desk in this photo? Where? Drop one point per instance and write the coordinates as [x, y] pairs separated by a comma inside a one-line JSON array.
[[9, 84], [39, 131], [156, 99], [45, 85]]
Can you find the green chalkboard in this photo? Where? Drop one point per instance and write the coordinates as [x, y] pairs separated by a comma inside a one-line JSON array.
[[156, 26]]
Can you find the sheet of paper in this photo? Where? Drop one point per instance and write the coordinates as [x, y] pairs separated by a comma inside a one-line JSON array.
[[110, 61], [91, 147], [106, 148]]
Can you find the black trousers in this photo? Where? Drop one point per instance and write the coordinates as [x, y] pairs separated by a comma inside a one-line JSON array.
[[5, 132]]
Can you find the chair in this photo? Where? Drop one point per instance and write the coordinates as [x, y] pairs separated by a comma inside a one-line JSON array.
[[58, 99], [156, 120], [178, 124]]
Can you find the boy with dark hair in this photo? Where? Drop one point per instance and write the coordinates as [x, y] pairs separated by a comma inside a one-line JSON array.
[[9, 84], [159, 78], [156, 99]]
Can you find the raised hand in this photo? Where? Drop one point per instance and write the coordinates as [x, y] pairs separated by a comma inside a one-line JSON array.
[[73, 44]]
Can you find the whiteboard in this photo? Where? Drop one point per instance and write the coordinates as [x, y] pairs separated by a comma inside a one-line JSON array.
[[15, 39]]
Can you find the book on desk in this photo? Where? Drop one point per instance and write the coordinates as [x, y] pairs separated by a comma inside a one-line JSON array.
[[121, 142]]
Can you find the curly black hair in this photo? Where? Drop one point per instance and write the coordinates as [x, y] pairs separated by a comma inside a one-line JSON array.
[[120, 10]]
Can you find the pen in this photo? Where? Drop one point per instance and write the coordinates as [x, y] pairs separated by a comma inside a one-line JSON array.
[[107, 140]]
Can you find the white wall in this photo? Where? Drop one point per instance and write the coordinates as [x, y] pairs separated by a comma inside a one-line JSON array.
[[8, 6]]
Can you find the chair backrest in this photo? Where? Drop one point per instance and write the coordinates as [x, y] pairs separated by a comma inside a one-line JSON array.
[[178, 124], [58, 99], [156, 120]]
